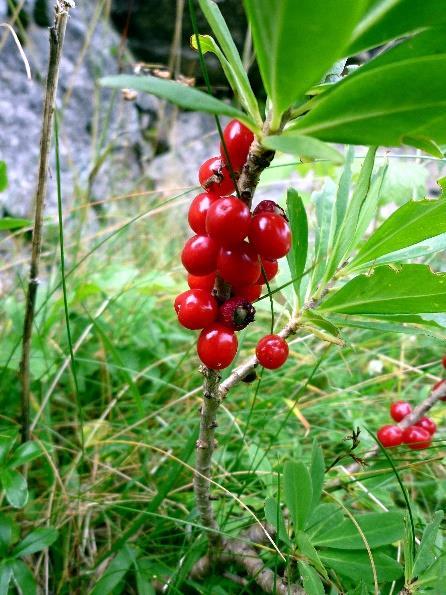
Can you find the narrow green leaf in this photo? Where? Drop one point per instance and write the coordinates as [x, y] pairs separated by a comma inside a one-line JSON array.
[[259, 461], [303, 146], [177, 93], [15, 487], [36, 541], [298, 492], [307, 549], [115, 572], [310, 578], [317, 472], [144, 575], [23, 578], [324, 201], [321, 327], [10, 223], [424, 248], [427, 552], [274, 517], [297, 257], [7, 440], [357, 564], [411, 289], [5, 576], [6, 534], [3, 176], [342, 195], [369, 207], [24, 454]]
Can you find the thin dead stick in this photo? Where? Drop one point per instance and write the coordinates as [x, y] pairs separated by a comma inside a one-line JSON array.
[[19, 46], [57, 33]]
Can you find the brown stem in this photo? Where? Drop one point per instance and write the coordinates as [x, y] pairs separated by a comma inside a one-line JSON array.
[[57, 33]]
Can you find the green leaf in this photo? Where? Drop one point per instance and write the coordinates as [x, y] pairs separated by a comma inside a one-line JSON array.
[[412, 289], [274, 517], [324, 201], [8, 223], [317, 472], [310, 578], [297, 256], [24, 454], [5, 576], [115, 572], [321, 327], [369, 207], [323, 518], [427, 552], [36, 541], [15, 487], [303, 146], [298, 492], [181, 95], [357, 564], [379, 528], [410, 224], [307, 549], [3, 176], [6, 534], [144, 575], [23, 578], [341, 203], [7, 440], [259, 461], [283, 32]]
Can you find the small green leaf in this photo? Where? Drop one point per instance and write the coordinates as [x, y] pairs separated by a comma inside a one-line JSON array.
[[6, 534], [15, 487], [181, 95], [7, 440], [115, 572], [24, 454], [298, 492], [297, 257], [310, 578], [23, 578], [36, 541], [274, 517], [144, 575], [323, 518], [427, 552], [303, 146], [10, 223], [357, 564], [5, 576], [324, 201], [3, 176], [307, 549], [317, 472]]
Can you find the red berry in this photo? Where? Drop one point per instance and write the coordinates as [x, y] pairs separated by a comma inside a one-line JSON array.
[[239, 265], [196, 309], [399, 410], [270, 235], [269, 206], [428, 424], [217, 346], [237, 139], [416, 438], [178, 301], [270, 267], [443, 361], [199, 255], [198, 210], [228, 220], [201, 282], [249, 292], [390, 436], [272, 351], [437, 385], [215, 177], [237, 313]]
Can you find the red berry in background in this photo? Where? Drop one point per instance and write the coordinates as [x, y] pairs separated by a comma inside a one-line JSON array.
[[270, 268], [428, 424], [228, 220], [217, 346], [239, 265], [443, 361], [237, 139], [269, 206], [437, 385], [199, 255], [201, 282], [214, 176], [399, 410], [237, 313], [198, 210], [272, 352], [416, 438], [249, 292], [270, 235], [197, 308], [390, 436]]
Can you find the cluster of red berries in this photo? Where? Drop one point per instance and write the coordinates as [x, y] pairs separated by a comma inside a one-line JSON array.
[[231, 246]]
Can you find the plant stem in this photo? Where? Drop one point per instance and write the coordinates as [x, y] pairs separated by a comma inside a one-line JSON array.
[[57, 34]]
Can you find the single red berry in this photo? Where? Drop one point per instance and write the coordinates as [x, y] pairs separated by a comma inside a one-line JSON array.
[[399, 410], [239, 265], [197, 308], [416, 438], [217, 346], [201, 282], [199, 255], [390, 436], [269, 206], [428, 424], [443, 361], [272, 352], [178, 301], [270, 235], [437, 385], [198, 210], [270, 268], [237, 313], [237, 139], [228, 220], [249, 292], [215, 177]]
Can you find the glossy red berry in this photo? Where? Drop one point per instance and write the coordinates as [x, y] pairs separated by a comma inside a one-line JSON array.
[[270, 235], [214, 176], [390, 436], [236, 313], [198, 210], [269, 206], [443, 361], [239, 265], [272, 352], [217, 346], [437, 385], [201, 282], [249, 292], [228, 220], [399, 410], [178, 301], [270, 268], [237, 139], [416, 438], [428, 424], [196, 308], [199, 256]]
